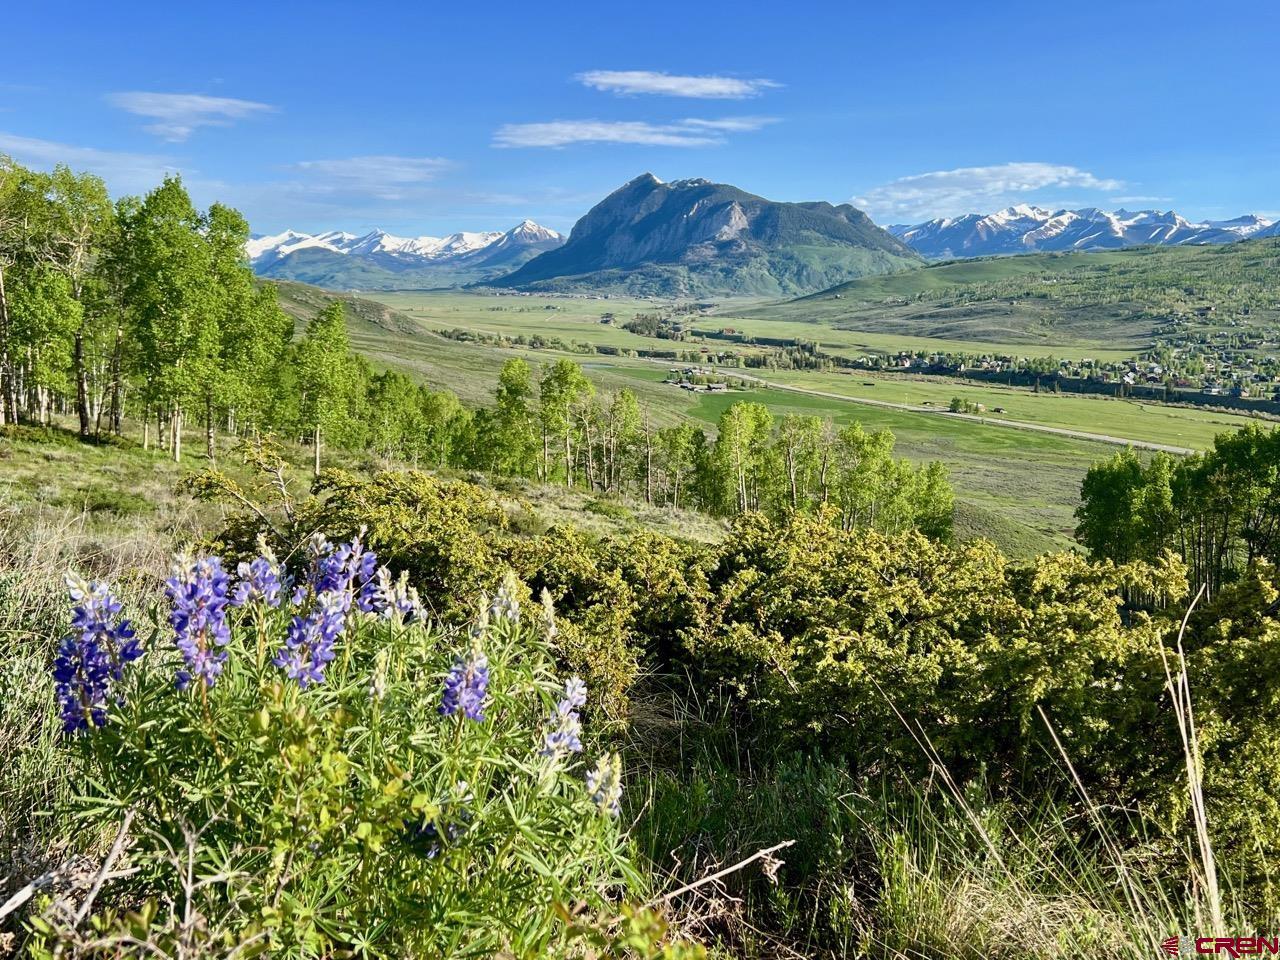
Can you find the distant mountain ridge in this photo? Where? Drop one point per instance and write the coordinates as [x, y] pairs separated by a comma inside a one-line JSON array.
[[1027, 229], [697, 238], [382, 261]]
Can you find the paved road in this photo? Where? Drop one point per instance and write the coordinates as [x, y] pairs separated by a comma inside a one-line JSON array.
[[993, 421]]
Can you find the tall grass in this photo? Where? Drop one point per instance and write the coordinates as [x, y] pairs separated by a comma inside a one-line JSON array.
[[37, 547], [933, 869]]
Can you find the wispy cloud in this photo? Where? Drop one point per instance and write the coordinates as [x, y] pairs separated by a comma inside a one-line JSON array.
[[1140, 199], [945, 193], [380, 176], [678, 133], [730, 124], [123, 172], [178, 115], [630, 82]]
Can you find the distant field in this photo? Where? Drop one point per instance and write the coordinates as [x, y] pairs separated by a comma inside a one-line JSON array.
[[886, 338], [1131, 419], [569, 318], [579, 319], [1010, 327]]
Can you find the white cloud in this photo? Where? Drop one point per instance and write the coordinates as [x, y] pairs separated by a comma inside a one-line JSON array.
[[379, 168], [123, 172], [381, 176], [669, 85], [730, 124], [678, 133], [177, 115], [948, 193], [1139, 199]]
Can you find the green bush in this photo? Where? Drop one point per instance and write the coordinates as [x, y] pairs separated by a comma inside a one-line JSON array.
[[620, 599], [857, 642]]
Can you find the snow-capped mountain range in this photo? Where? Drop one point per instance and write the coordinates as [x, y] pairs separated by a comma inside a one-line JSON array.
[[381, 261], [1025, 229], [265, 250]]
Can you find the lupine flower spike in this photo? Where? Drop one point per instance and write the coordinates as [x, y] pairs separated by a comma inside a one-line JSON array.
[[605, 784], [480, 625], [310, 638], [92, 658], [378, 679], [548, 616], [506, 605], [363, 566], [396, 600], [199, 591], [565, 733], [466, 685], [340, 577], [260, 580]]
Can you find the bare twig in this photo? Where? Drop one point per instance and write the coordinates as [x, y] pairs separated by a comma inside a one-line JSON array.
[[26, 893], [719, 874], [116, 848]]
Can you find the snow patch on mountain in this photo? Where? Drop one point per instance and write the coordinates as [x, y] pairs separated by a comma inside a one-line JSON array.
[[1024, 228], [378, 244]]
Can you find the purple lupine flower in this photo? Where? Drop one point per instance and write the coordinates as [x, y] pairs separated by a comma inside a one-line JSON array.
[[565, 733], [199, 589], [575, 693], [328, 573], [349, 567], [364, 580], [339, 577], [605, 785], [466, 685], [90, 660], [309, 640], [260, 579]]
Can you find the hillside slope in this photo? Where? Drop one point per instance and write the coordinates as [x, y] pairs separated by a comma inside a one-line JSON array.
[[1115, 297], [302, 302], [694, 238]]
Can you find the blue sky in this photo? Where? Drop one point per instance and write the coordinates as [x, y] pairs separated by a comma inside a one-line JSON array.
[[427, 118]]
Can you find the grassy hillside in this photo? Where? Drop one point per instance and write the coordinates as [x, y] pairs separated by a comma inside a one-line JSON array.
[[303, 301], [1056, 301], [117, 496]]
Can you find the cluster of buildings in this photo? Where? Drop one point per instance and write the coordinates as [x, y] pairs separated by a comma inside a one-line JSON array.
[[696, 379]]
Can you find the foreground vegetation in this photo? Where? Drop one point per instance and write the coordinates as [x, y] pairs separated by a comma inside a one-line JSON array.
[[972, 756]]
